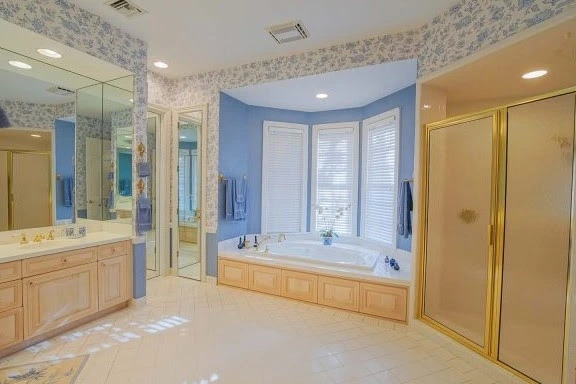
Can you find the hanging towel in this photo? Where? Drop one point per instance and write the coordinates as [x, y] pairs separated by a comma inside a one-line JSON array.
[[67, 191], [228, 204], [239, 199], [143, 169], [405, 206], [143, 215]]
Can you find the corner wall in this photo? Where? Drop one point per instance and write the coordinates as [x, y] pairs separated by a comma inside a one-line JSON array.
[[241, 149]]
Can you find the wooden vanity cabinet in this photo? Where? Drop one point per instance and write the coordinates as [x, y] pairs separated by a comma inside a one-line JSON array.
[[58, 298], [40, 295]]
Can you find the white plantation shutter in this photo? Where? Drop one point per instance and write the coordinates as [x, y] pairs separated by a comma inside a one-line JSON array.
[[379, 176], [284, 177], [335, 177]]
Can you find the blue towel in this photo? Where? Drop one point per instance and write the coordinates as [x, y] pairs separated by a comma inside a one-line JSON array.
[[144, 169], [143, 215], [239, 199], [110, 202], [405, 206], [228, 206], [67, 191]]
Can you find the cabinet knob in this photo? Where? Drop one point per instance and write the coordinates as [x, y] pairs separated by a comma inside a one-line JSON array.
[[30, 283], [103, 265], [64, 260], [113, 250]]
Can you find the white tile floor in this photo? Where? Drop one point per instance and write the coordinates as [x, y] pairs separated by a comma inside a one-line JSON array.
[[191, 332]]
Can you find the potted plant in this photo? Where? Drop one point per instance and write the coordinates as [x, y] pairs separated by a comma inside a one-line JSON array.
[[328, 234]]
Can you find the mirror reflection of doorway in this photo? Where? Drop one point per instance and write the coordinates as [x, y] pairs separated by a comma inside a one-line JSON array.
[[153, 236], [189, 262]]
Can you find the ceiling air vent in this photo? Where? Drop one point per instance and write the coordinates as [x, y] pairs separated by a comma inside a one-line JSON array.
[[125, 7], [285, 33], [60, 91]]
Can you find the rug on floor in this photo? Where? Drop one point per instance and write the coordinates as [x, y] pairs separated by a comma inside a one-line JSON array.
[[63, 371]]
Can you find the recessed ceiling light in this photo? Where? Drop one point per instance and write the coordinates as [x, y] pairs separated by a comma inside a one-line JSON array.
[[182, 137], [427, 106], [35, 135], [321, 95], [19, 64], [535, 74], [49, 53], [131, 100], [161, 64]]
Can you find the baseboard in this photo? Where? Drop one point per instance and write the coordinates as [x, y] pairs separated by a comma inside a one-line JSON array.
[[139, 302], [211, 280]]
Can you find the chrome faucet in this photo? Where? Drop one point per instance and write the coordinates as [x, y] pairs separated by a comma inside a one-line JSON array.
[[281, 237]]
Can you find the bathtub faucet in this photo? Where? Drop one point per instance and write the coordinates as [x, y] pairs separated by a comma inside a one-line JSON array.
[[281, 237], [263, 239]]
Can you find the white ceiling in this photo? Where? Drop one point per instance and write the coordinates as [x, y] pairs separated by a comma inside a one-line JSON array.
[[202, 35], [350, 88], [17, 39]]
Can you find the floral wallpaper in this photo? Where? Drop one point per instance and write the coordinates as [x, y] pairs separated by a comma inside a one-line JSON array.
[[460, 31], [71, 25], [30, 115]]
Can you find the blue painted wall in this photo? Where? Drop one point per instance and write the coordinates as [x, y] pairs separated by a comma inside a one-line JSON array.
[[64, 138], [241, 138], [139, 270]]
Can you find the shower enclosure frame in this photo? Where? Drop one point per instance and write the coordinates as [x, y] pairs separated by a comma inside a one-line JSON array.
[[490, 349]]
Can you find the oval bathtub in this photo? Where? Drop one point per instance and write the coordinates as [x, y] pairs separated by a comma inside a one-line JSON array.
[[342, 255]]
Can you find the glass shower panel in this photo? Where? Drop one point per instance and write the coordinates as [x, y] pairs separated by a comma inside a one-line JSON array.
[[153, 236], [458, 219], [537, 237]]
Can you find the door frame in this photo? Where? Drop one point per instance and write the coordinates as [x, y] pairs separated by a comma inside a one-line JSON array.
[[202, 156], [163, 133]]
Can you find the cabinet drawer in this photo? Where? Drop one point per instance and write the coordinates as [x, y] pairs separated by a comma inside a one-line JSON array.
[[264, 279], [11, 325], [58, 298], [339, 293], [10, 271], [50, 263], [384, 301], [300, 286], [233, 273], [10, 295], [112, 250]]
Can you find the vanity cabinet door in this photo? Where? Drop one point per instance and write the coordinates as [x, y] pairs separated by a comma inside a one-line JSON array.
[[233, 273], [112, 282], [10, 271], [59, 298], [10, 295], [264, 279], [339, 293], [300, 286], [11, 328], [384, 301]]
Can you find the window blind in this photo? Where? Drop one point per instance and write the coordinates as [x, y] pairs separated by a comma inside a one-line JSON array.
[[335, 177], [284, 177], [379, 180]]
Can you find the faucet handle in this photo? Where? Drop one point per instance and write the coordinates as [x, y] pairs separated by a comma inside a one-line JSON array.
[[38, 238], [50, 235], [23, 238]]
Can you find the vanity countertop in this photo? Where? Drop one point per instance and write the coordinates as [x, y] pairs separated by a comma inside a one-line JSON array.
[[17, 251]]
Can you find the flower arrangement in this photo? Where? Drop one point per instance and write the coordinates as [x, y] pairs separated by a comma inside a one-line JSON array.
[[330, 218]]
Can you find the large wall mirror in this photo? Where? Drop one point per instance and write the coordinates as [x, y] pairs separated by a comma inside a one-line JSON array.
[[65, 135]]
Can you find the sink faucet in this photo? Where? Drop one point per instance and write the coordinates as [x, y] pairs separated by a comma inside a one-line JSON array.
[[281, 237]]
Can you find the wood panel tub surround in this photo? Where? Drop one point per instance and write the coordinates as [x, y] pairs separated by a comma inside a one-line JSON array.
[[46, 295], [384, 300]]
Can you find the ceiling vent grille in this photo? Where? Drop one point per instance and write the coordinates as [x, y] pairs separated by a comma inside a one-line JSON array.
[[285, 33], [60, 91], [125, 7]]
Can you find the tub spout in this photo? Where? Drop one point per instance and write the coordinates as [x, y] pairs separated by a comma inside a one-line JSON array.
[[281, 237]]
